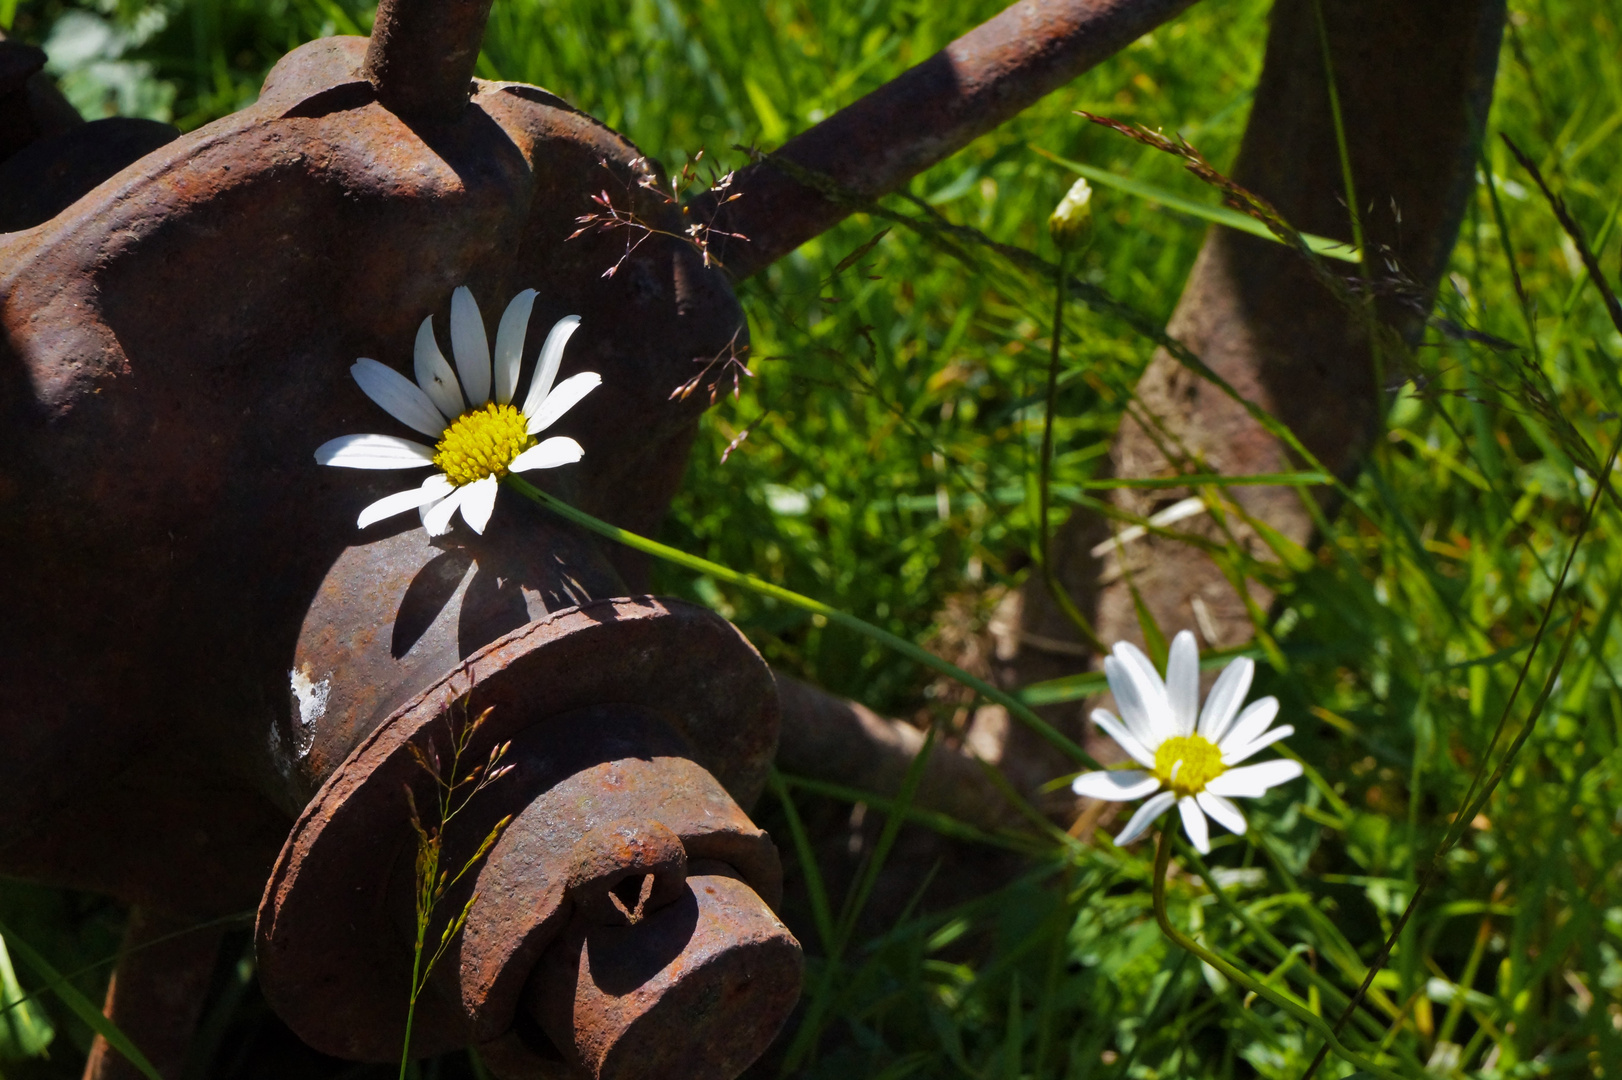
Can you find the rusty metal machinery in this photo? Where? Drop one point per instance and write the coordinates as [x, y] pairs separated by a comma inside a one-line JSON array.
[[202, 649], [613, 709]]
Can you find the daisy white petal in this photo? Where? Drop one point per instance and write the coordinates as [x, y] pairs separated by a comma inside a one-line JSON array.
[[1251, 723], [434, 374], [1183, 681], [401, 501], [1145, 817], [1139, 660], [373, 452], [1115, 786], [1226, 696], [1222, 812], [563, 398], [1129, 699], [1194, 824], [399, 396], [470, 346], [438, 518], [1252, 781], [558, 450], [510, 345], [546, 369], [478, 499], [1151, 689], [1124, 738], [1261, 742]]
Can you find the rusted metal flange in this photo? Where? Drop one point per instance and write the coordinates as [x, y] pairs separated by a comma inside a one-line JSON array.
[[633, 708]]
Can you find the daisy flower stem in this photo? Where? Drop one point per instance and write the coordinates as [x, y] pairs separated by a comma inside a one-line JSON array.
[[1015, 707], [1235, 975]]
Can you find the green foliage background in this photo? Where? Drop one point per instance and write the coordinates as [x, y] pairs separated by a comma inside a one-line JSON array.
[[906, 384]]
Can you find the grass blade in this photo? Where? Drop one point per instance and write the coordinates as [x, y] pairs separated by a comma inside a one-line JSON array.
[[82, 1007]]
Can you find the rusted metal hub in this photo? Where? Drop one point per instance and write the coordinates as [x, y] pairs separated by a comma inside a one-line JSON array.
[[635, 726], [710, 1010]]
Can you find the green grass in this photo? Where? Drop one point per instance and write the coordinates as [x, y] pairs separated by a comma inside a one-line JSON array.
[[910, 382]]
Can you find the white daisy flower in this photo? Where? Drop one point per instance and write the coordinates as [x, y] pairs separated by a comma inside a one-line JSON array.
[[480, 435], [1185, 761]]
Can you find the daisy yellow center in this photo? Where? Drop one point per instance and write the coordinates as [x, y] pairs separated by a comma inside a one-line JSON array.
[[481, 443], [1186, 763]]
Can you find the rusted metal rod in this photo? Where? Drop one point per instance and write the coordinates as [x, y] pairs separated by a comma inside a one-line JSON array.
[[826, 737], [922, 117], [422, 54], [157, 993]]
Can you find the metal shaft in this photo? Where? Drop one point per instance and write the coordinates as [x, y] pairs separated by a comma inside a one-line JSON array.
[[920, 118], [156, 994], [697, 989], [422, 55]]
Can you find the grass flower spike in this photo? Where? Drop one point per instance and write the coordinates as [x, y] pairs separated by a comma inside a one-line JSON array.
[[480, 434], [1187, 760]]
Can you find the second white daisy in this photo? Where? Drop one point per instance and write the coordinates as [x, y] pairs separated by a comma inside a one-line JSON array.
[[481, 436], [1187, 761]]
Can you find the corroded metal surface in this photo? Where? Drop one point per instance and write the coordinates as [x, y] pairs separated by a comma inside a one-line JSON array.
[[47, 176], [696, 989], [156, 994], [829, 738], [162, 516], [688, 735], [392, 616], [162, 435], [922, 117], [421, 56], [1415, 84]]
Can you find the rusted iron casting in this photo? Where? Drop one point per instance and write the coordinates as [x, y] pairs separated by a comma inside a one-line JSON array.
[[202, 647], [211, 643], [610, 800]]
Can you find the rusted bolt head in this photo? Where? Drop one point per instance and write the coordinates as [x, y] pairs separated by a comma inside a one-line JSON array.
[[696, 990], [625, 870]]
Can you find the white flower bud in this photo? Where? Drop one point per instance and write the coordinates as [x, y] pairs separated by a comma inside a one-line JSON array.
[[1072, 220]]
